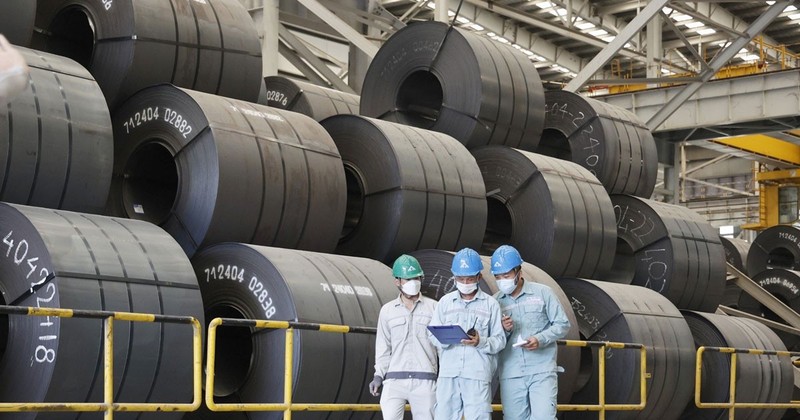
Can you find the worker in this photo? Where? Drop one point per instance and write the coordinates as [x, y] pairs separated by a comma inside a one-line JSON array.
[[533, 319], [405, 360], [466, 368], [14, 72]]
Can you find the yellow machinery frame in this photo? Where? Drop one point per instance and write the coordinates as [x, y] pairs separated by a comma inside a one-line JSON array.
[[769, 185], [108, 405], [288, 406]]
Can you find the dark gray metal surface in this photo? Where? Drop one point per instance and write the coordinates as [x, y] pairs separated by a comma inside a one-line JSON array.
[[775, 247], [210, 46], [554, 212], [16, 21], [450, 80], [408, 189], [616, 312], [56, 142], [759, 379], [246, 281], [308, 99], [669, 249], [211, 169], [736, 254], [611, 142], [783, 284], [81, 261]]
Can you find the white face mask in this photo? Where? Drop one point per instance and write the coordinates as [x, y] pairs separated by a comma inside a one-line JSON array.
[[507, 285], [466, 289], [411, 287]]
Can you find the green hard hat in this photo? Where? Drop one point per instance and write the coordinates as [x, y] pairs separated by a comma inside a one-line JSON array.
[[406, 267]]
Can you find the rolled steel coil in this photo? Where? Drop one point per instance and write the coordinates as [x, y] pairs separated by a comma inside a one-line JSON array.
[[211, 169], [783, 284], [736, 254], [16, 21], [775, 247], [254, 282], [438, 281], [669, 249], [446, 79], [56, 142], [555, 212], [630, 314], [407, 189], [307, 98], [609, 141], [759, 379], [60, 259], [210, 46]]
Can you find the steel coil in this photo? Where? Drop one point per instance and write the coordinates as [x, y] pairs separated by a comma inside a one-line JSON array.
[[307, 98], [54, 258], [554, 212], [246, 281], [669, 249], [735, 254], [407, 189], [775, 247], [759, 379], [210, 169], [446, 79], [783, 284], [609, 141], [16, 21], [56, 142], [210, 46], [630, 314], [438, 281]]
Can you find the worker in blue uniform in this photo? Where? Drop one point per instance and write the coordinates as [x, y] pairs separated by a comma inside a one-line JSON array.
[[533, 319], [405, 359], [466, 369]]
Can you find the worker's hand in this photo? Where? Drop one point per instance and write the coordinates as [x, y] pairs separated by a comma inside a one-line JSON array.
[[533, 343], [375, 386], [474, 338], [508, 323], [14, 72]]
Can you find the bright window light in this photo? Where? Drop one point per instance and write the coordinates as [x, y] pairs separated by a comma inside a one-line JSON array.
[[598, 33], [666, 10], [431, 5], [462, 20], [544, 4], [726, 230], [608, 38], [694, 24], [705, 31], [789, 9], [794, 16], [584, 25], [476, 27], [750, 57], [680, 17]]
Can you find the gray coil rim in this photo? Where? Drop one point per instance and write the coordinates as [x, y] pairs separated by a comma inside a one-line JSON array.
[[554, 212], [462, 84], [783, 284], [308, 99], [98, 263], [408, 189], [774, 247], [188, 179], [669, 249], [296, 284], [16, 19], [210, 46], [609, 141]]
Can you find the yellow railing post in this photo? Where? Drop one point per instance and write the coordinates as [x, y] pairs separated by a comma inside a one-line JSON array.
[[731, 411], [601, 387], [288, 375], [108, 371]]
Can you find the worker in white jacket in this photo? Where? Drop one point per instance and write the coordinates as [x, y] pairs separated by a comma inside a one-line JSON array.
[[405, 360]]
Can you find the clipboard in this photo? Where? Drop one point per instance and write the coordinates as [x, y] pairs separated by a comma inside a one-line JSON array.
[[448, 334]]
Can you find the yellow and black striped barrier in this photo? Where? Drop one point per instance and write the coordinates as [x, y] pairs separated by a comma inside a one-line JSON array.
[[288, 406], [732, 405], [108, 405]]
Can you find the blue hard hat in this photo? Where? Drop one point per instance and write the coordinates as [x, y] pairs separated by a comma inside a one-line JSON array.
[[466, 262], [505, 259]]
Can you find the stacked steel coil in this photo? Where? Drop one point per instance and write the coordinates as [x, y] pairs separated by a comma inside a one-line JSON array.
[[735, 254], [783, 284], [307, 98], [775, 247], [16, 21]]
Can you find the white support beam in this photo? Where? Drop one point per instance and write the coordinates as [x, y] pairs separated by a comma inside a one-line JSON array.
[[340, 26], [440, 13], [315, 62], [602, 58]]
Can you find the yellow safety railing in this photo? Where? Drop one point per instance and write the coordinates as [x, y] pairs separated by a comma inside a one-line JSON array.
[[732, 405], [288, 406], [601, 407], [108, 405]]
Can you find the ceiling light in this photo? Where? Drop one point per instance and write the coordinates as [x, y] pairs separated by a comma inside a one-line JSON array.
[[750, 57], [680, 17], [694, 24], [608, 38], [794, 16], [462, 20], [476, 27], [705, 31], [545, 4], [666, 10], [598, 33], [584, 25], [789, 8], [431, 5]]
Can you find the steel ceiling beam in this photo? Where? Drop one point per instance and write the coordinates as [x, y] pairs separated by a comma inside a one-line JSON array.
[[340, 26], [720, 60], [311, 59]]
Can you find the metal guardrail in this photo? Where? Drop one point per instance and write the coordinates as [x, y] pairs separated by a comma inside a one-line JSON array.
[[108, 405], [732, 405], [288, 406]]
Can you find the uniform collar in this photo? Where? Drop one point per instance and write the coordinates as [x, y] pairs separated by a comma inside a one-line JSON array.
[[479, 296], [398, 301]]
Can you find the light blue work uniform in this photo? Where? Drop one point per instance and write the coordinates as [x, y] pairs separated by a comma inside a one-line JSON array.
[[528, 381], [465, 372]]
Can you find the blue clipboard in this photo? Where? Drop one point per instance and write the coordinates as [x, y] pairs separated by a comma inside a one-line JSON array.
[[448, 334]]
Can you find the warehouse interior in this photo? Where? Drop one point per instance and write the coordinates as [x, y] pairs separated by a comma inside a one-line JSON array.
[[269, 159]]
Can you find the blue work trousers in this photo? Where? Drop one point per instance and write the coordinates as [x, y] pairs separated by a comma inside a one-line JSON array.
[[458, 396], [531, 397]]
